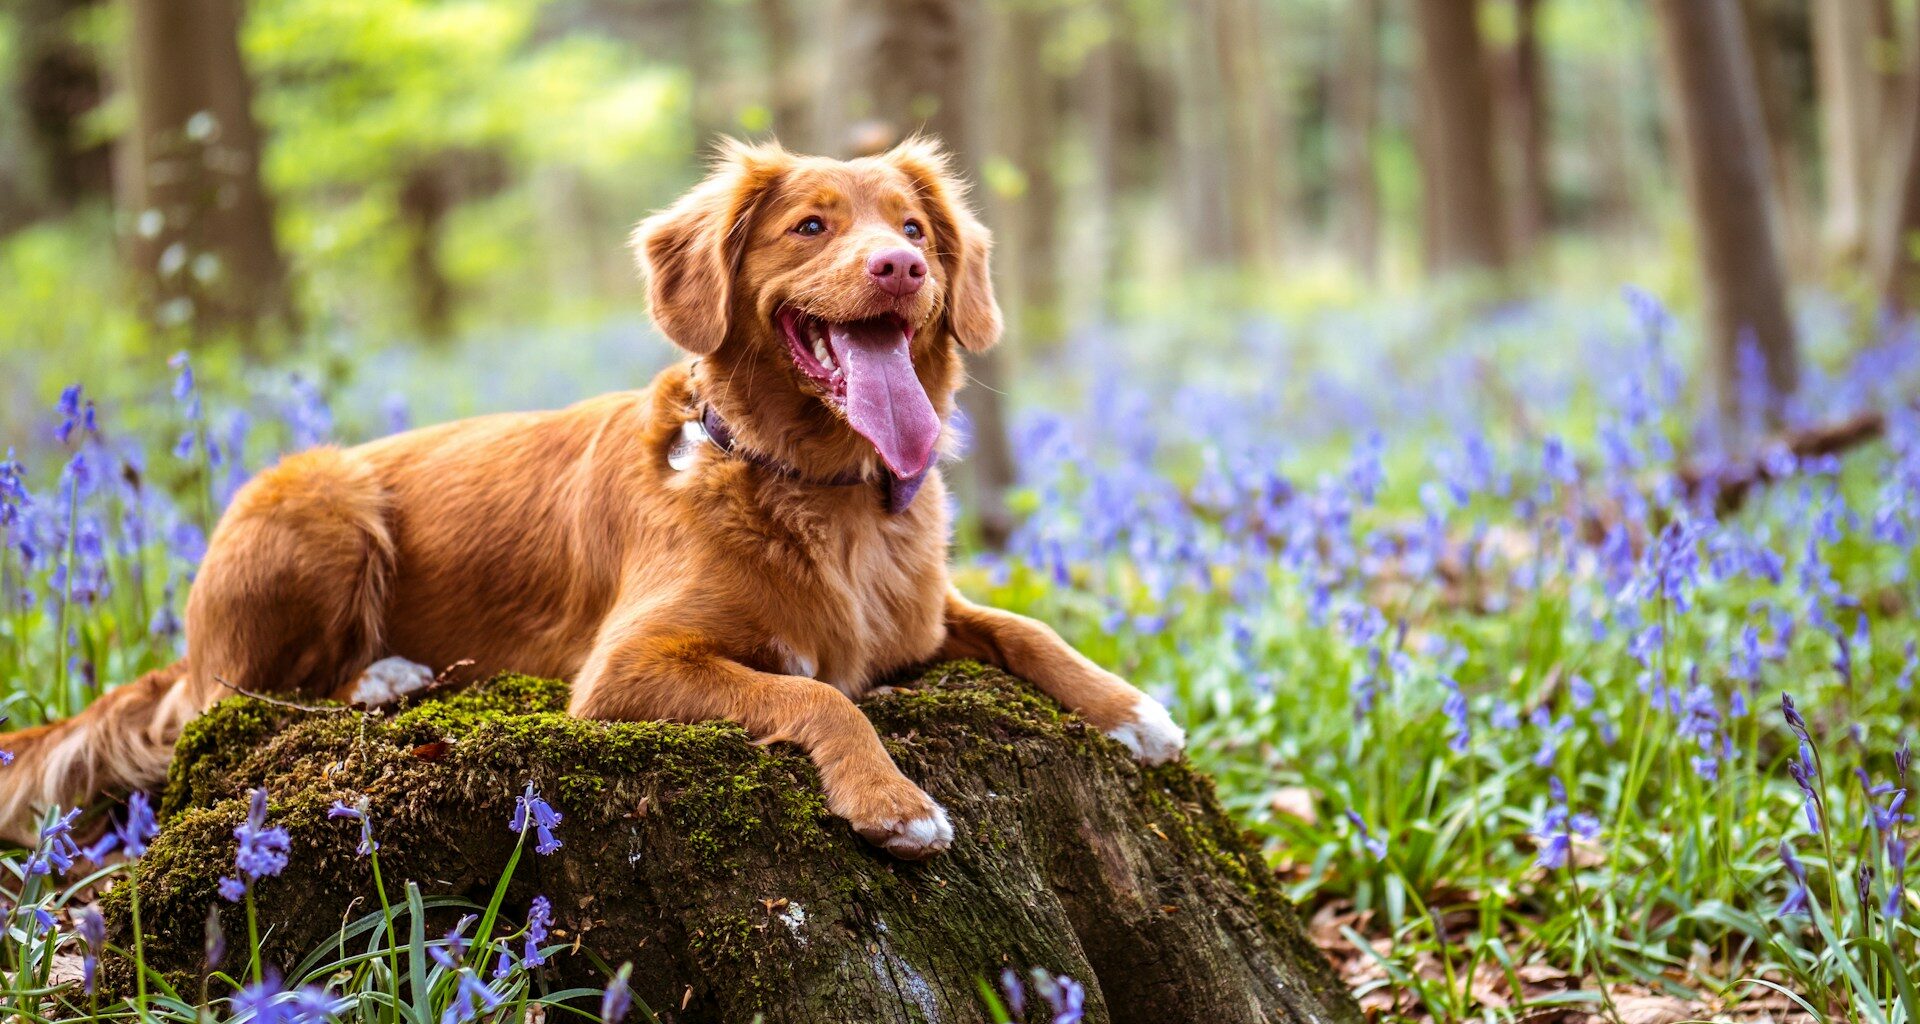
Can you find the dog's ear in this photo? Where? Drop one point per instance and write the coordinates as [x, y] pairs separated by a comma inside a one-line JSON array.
[[690, 251], [961, 243]]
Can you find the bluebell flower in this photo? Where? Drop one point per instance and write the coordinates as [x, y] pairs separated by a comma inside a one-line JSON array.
[[539, 919], [262, 851], [56, 851], [529, 809], [1065, 997], [1375, 845], [131, 834], [232, 890], [358, 813], [1455, 708], [453, 950], [93, 930], [618, 998], [1558, 827], [1015, 993], [471, 998], [262, 1000], [1896, 875]]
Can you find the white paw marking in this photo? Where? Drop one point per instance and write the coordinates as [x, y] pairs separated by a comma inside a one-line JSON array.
[[390, 679], [1151, 735], [918, 838]]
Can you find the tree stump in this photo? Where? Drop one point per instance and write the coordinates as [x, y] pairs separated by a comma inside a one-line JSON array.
[[712, 864]]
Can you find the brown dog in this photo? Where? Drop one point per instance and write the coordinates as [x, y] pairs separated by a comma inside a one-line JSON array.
[[758, 536]]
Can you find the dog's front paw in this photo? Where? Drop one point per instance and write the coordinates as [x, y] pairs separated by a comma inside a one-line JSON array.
[[898, 817], [1150, 732]]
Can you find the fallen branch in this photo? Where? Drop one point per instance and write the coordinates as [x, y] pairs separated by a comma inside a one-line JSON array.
[[1732, 483]]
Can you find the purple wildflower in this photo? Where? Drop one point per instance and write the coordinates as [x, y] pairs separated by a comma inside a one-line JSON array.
[[1375, 845], [93, 929], [530, 809], [1015, 992], [1558, 827], [618, 998], [262, 851], [1063, 996], [358, 812], [57, 850], [539, 919], [454, 951]]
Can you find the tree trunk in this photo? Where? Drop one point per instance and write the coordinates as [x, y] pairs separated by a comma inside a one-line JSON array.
[[1356, 99], [59, 82], [1843, 35], [1525, 107], [1462, 181], [1723, 154], [875, 100], [426, 196], [202, 239], [712, 866], [1895, 270], [1797, 234], [1029, 221], [787, 63]]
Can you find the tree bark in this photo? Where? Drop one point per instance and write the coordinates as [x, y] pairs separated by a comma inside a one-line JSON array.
[[1462, 182], [1721, 140], [202, 238], [1895, 270], [787, 62], [58, 82], [1797, 233], [876, 99], [426, 196], [1356, 99], [1848, 89], [711, 865], [1526, 119], [1030, 220]]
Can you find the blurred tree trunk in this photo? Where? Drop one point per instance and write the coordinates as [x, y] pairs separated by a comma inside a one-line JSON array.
[[708, 81], [1525, 105], [1356, 100], [202, 238], [877, 98], [1204, 175], [1897, 222], [787, 75], [426, 196], [58, 82], [1843, 35], [1102, 110], [1030, 217], [1463, 200], [1235, 153], [1721, 142], [1763, 21]]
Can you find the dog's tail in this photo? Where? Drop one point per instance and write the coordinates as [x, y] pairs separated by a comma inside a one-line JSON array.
[[122, 741]]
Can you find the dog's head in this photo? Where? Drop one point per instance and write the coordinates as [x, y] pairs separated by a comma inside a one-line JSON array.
[[827, 296]]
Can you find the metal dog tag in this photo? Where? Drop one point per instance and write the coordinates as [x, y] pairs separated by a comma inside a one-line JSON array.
[[692, 436]]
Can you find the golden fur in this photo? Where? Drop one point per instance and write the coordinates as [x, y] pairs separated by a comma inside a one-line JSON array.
[[563, 544]]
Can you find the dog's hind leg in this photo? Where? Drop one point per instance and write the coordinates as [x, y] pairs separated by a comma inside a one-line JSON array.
[[678, 677], [120, 742], [292, 596]]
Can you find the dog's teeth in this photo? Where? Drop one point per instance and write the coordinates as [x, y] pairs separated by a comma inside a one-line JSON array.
[[821, 353]]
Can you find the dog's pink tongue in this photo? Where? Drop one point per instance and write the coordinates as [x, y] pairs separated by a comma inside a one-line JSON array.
[[885, 401]]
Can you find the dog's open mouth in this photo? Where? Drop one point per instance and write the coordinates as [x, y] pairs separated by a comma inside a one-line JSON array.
[[865, 367]]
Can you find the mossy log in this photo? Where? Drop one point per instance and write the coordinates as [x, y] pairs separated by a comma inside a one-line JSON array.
[[712, 864]]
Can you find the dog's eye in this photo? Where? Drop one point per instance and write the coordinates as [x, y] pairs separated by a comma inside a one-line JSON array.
[[810, 226], [913, 230]]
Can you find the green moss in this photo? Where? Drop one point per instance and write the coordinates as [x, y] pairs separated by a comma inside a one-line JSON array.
[[678, 837]]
